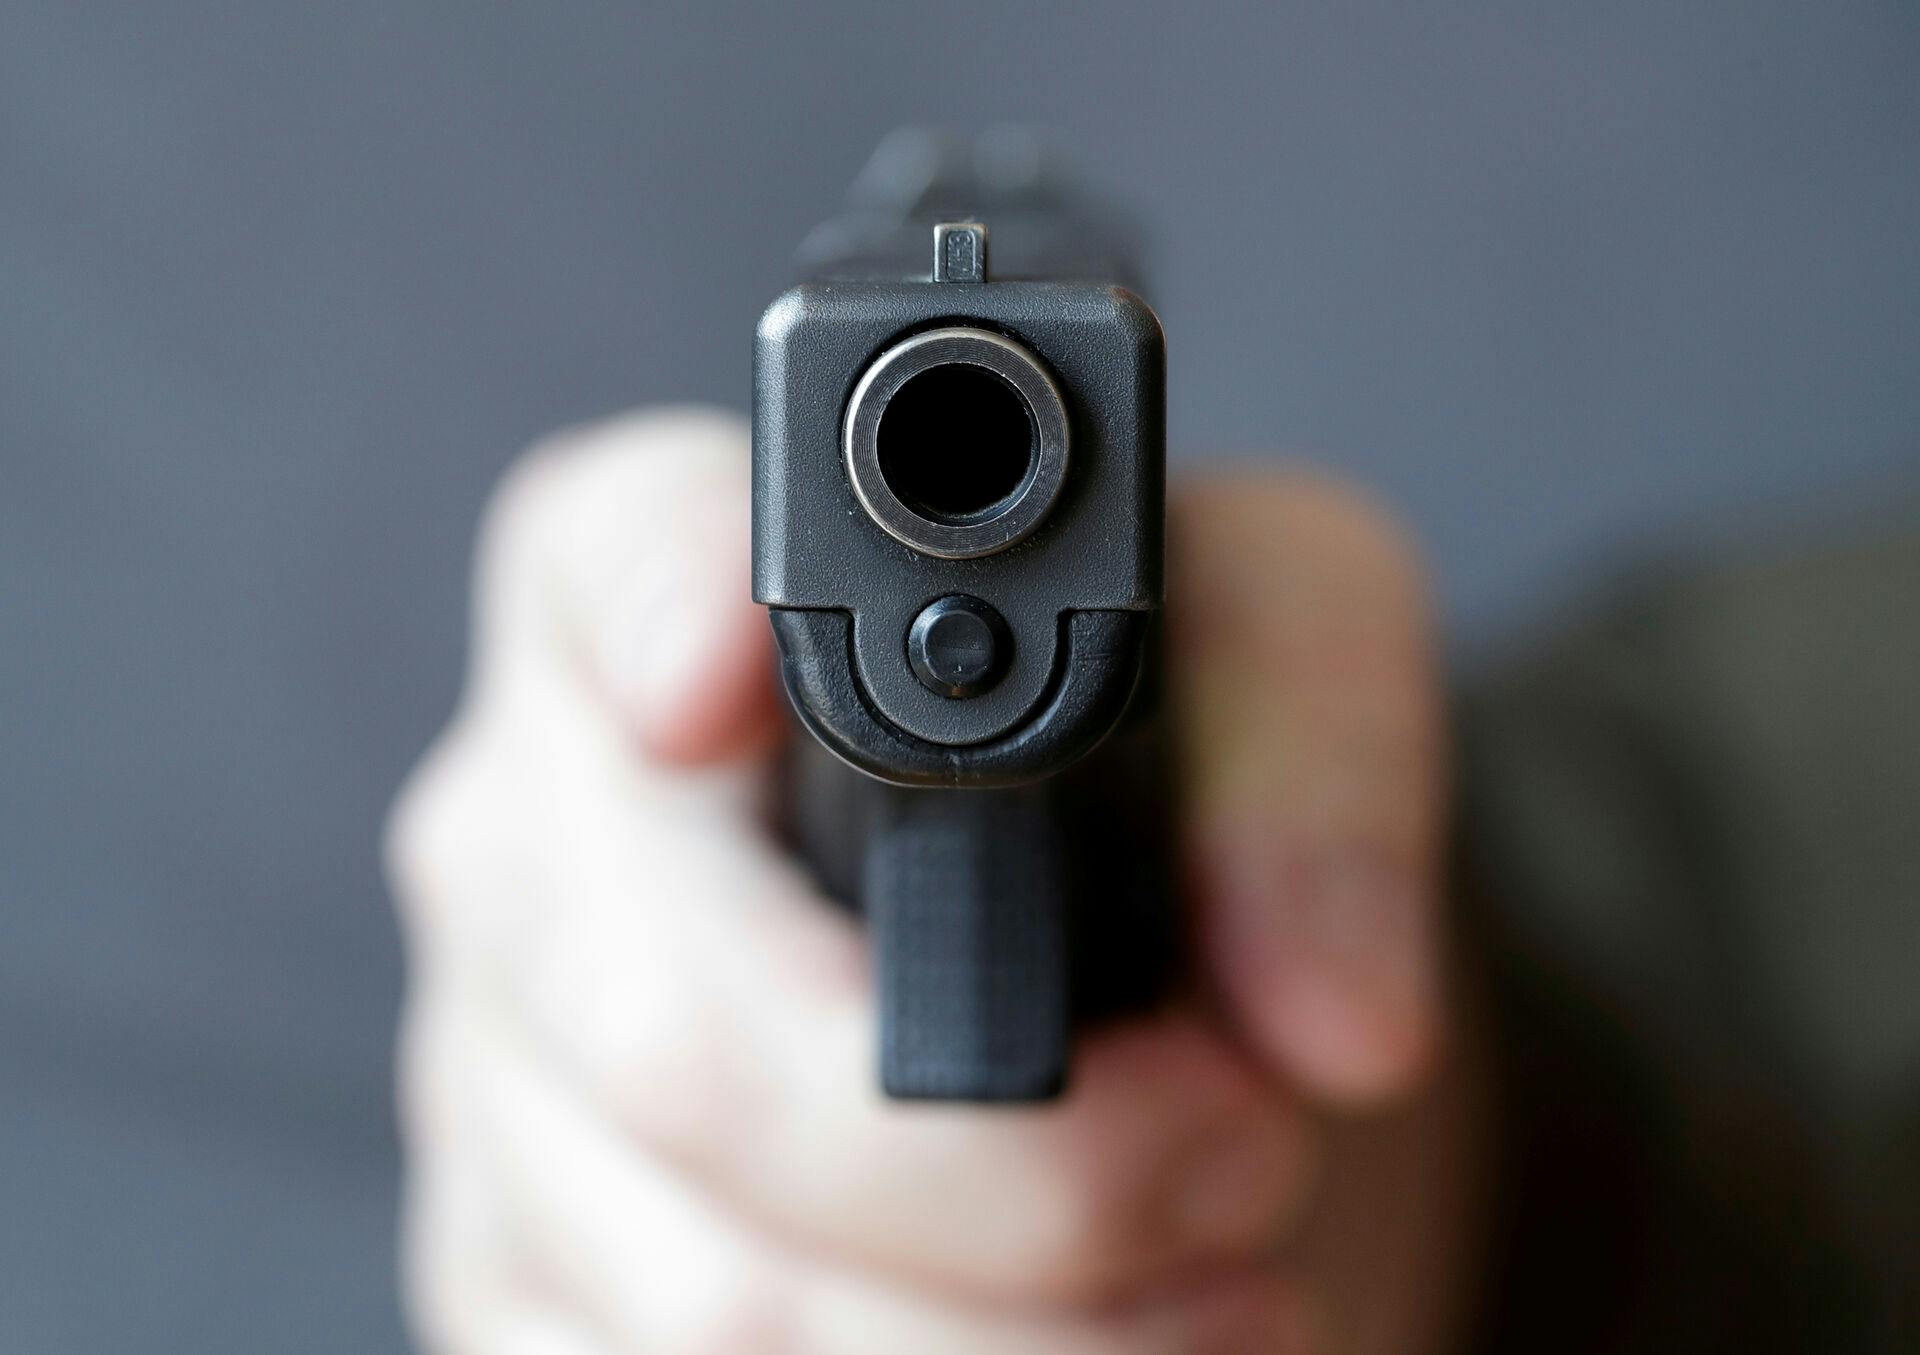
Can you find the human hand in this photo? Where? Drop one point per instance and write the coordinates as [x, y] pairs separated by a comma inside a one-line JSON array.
[[636, 1071]]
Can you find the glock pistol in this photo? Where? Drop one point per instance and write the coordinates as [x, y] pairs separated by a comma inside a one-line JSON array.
[[958, 522]]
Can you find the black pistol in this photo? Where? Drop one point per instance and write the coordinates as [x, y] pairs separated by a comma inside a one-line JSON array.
[[958, 522]]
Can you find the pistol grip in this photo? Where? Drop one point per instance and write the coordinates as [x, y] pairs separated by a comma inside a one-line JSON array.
[[965, 893]]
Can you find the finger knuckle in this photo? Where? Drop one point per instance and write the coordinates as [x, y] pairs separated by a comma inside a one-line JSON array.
[[435, 829], [531, 482], [1106, 1199], [428, 1075], [437, 1286], [653, 1052], [538, 501], [1089, 1230], [436, 1319], [751, 1316]]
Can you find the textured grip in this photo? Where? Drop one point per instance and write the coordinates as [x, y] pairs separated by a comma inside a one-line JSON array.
[[998, 919], [965, 893]]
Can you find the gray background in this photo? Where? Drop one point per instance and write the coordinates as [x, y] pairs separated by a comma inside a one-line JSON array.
[[286, 285]]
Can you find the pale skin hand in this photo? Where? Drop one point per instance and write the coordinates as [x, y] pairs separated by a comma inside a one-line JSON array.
[[636, 1070]]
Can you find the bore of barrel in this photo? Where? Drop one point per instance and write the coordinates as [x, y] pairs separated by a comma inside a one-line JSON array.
[[956, 443]]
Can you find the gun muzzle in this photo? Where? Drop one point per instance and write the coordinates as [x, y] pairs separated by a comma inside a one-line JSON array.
[[956, 442]]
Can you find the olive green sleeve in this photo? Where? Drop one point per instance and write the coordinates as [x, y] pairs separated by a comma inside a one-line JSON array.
[[1690, 851]]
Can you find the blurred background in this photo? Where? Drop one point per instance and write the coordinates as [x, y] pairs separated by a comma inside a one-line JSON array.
[[286, 286]]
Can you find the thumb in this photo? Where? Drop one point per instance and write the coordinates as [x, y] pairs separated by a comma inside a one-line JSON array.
[[637, 533], [1310, 735]]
